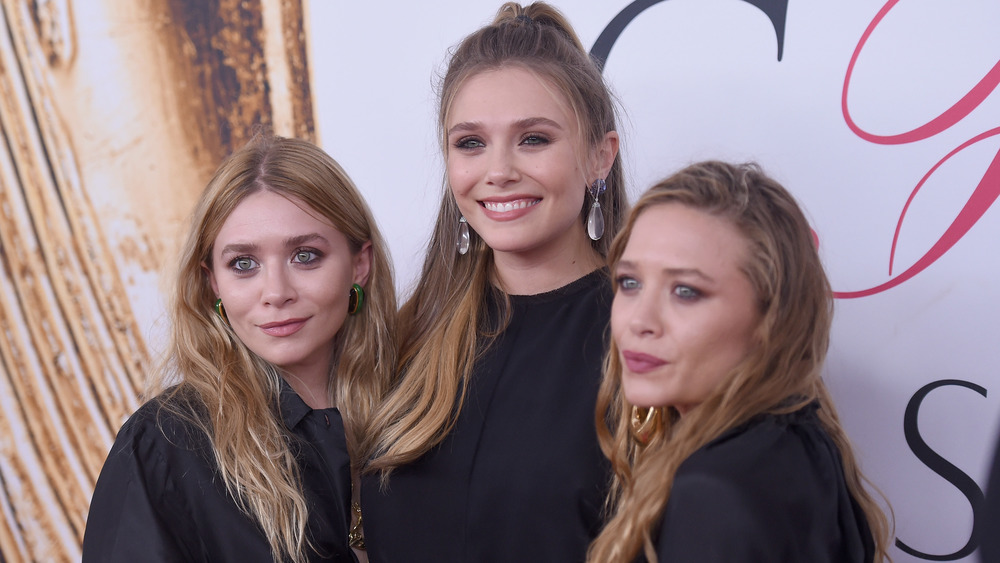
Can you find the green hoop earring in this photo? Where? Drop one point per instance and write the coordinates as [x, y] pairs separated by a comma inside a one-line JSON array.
[[356, 299], [221, 311]]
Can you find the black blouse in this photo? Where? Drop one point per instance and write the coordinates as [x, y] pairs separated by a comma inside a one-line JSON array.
[[770, 490], [521, 476], [160, 496]]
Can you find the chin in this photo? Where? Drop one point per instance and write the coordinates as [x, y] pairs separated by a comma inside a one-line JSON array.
[[639, 396]]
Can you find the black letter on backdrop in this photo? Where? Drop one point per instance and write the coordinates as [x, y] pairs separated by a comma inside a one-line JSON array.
[[775, 10], [941, 466]]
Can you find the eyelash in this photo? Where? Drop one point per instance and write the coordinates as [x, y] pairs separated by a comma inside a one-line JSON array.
[[242, 271], [692, 294], [315, 255], [536, 138], [620, 282], [473, 143], [683, 292], [465, 143]]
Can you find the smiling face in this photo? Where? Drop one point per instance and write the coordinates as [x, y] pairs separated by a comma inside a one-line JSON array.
[[284, 276], [517, 164], [684, 313]]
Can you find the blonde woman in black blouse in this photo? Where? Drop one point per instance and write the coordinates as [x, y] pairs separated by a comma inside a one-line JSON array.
[[725, 443], [283, 318]]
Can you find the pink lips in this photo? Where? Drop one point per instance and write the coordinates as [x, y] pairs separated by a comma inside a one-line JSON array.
[[638, 362], [283, 328]]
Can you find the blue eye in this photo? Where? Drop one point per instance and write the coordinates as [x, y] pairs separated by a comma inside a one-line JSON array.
[[686, 293], [469, 143], [243, 264], [533, 139], [305, 256], [627, 283]]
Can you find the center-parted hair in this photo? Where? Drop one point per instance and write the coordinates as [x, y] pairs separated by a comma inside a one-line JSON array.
[[781, 374], [232, 394], [441, 325]]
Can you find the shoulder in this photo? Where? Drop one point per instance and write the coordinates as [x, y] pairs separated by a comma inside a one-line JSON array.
[[758, 491], [159, 432], [779, 443]]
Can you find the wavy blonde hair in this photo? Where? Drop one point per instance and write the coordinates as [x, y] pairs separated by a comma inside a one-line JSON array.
[[217, 372], [782, 373], [441, 325]]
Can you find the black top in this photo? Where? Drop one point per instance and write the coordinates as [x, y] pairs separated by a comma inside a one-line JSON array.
[[987, 526], [160, 496], [770, 490], [521, 476]]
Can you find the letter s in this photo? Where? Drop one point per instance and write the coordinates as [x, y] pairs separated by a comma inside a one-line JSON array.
[[941, 466]]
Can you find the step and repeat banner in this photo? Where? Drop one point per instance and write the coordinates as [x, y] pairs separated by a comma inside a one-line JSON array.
[[881, 117]]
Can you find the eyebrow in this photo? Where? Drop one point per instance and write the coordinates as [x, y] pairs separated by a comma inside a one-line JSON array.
[[525, 123], [675, 272], [290, 242]]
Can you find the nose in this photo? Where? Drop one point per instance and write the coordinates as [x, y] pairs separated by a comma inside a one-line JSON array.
[[278, 288], [502, 167], [646, 315]]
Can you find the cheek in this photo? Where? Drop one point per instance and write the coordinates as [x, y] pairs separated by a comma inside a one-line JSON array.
[[619, 319], [460, 177], [731, 346]]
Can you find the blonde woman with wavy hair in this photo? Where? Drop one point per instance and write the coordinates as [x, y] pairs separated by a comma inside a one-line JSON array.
[[725, 443], [485, 451], [282, 345]]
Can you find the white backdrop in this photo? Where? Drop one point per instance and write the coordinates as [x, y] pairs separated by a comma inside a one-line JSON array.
[[701, 79]]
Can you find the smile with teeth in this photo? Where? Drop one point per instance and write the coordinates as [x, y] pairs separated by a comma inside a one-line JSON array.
[[504, 206]]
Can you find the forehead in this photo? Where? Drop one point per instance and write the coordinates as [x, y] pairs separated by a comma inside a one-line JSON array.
[[674, 235], [509, 93], [265, 213]]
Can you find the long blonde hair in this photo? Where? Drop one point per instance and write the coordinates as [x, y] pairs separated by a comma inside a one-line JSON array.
[[782, 373], [229, 392], [441, 325]]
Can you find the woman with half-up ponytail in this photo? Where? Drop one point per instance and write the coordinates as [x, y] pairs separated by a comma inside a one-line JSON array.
[[283, 324], [725, 443], [485, 449]]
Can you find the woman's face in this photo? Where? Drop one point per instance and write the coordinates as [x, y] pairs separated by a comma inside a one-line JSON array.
[[517, 164], [684, 312], [284, 275]]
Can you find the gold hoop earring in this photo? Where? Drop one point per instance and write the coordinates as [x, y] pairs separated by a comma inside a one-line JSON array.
[[221, 310], [645, 427], [355, 300]]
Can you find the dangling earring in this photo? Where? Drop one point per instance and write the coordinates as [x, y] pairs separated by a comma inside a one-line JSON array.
[[645, 427], [356, 299], [595, 221], [463, 236], [221, 311]]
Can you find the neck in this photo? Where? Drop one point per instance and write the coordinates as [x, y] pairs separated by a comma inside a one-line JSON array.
[[534, 272], [311, 388]]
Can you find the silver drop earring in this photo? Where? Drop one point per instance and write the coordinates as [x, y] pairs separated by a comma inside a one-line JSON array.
[[463, 235], [595, 220]]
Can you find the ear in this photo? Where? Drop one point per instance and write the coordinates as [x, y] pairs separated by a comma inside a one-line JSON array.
[[604, 155], [211, 278], [363, 263]]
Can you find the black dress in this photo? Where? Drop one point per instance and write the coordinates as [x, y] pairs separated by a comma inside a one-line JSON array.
[[521, 476], [160, 496], [771, 490]]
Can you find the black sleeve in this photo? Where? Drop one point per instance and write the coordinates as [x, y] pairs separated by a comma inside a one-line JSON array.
[[127, 520]]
